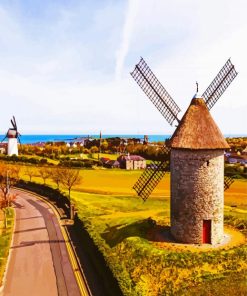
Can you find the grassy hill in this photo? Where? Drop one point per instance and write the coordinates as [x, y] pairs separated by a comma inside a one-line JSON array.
[[134, 237]]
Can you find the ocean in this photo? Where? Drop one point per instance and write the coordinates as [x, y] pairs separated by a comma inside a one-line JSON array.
[[31, 139]]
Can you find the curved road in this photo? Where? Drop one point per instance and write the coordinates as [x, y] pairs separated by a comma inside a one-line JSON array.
[[39, 262]]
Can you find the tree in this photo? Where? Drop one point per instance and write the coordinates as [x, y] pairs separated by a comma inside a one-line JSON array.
[[9, 176], [44, 173], [69, 178], [57, 175], [29, 171], [104, 145], [86, 151], [94, 149]]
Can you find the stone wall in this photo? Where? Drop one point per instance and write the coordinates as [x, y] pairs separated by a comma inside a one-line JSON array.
[[197, 194], [139, 164], [135, 164]]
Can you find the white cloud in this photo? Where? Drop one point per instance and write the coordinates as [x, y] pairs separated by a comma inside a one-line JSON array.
[[58, 74], [131, 16]]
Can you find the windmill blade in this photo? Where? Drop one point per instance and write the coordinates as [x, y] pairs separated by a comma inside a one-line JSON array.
[[15, 122], [227, 182], [219, 84], [151, 86], [19, 139], [150, 179], [165, 149], [4, 138]]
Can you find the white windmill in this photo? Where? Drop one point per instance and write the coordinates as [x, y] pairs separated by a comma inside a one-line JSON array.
[[13, 137]]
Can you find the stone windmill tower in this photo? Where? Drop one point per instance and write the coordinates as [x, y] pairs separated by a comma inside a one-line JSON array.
[[196, 159], [13, 137]]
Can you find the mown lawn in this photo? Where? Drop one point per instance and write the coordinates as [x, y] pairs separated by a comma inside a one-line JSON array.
[[107, 181]]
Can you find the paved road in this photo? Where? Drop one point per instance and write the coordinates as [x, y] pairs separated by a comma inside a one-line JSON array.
[[39, 263]]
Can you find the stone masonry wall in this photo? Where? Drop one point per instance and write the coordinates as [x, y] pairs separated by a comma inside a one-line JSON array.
[[135, 164], [197, 194]]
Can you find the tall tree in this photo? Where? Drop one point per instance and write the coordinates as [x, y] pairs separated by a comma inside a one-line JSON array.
[[57, 175], [44, 173], [30, 172], [69, 178], [9, 176]]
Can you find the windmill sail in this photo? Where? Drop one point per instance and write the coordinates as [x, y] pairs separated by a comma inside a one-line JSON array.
[[219, 84], [151, 86], [227, 182], [150, 179], [13, 124], [4, 138], [152, 175]]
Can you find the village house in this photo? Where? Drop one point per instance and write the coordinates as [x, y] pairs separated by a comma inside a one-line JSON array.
[[104, 160], [113, 164], [132, 162], [108, 163], [234, 158]]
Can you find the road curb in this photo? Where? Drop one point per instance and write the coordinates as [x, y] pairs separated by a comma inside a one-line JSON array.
[[75, 263]]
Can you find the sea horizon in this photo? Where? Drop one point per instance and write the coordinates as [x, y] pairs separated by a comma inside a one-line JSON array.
[[41, 138]]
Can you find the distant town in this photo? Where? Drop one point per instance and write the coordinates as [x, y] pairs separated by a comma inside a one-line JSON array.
[[115, 152]]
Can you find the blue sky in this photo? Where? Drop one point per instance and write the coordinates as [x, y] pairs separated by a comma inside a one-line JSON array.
[[65, 64]]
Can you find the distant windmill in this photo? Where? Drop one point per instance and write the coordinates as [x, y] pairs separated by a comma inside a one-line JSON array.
[[13, 137], [196, 151]]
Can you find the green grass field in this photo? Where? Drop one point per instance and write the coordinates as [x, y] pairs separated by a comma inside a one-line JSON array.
[[5, 240], [132, 235], [118, 222], [144, 264]]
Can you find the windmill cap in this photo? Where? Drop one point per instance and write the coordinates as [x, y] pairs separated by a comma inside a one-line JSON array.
[[197, 129], [197, 101], [12, 133], [197, 96]]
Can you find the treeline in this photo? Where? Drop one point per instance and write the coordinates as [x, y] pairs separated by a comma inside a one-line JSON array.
[[112, 145], [237, 144], [236, 171], [23, 159], [151, 152], [79, 163], [65, 162]]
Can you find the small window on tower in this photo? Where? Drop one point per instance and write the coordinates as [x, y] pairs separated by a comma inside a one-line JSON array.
[[207, 162]]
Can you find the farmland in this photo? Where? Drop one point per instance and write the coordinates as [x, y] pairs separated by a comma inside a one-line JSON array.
[[134, 237]]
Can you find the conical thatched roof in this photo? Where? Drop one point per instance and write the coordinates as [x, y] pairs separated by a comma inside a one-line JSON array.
[[197, 129]]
